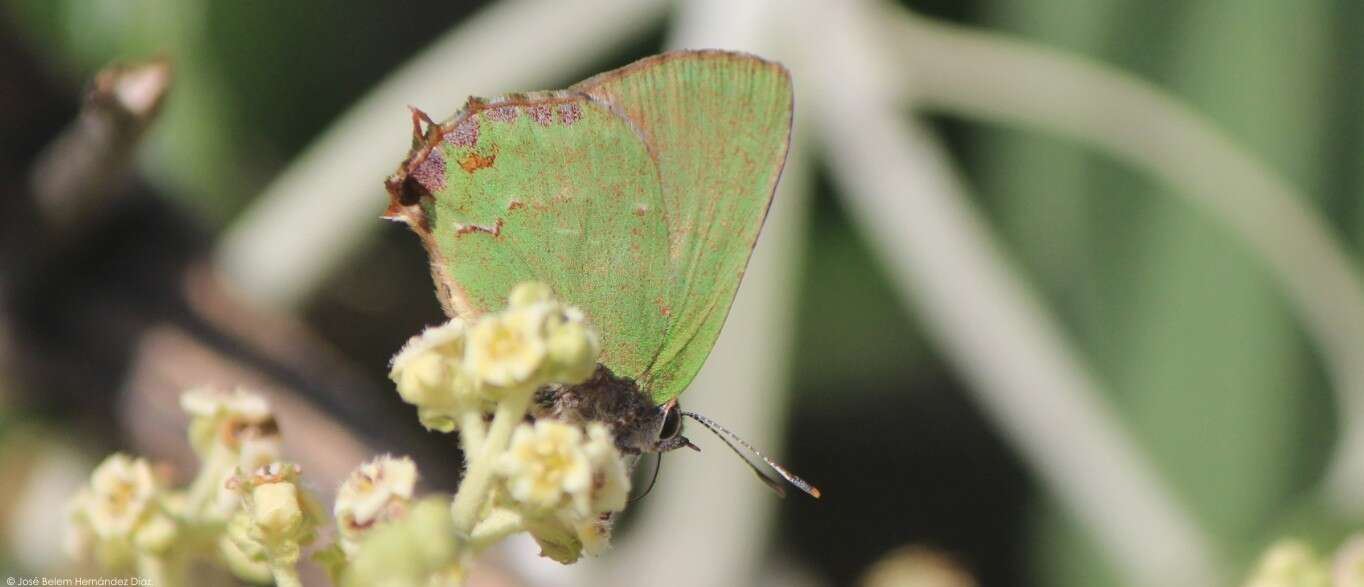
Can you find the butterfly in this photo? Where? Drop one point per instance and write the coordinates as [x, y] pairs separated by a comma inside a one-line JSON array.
[[637, 195]]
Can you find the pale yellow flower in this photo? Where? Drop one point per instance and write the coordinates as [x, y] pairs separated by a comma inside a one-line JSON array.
[[430, 375], [119, 515], [572, 345], [546, 466], [376, 492], [121, 496], [508, 350], [427, 368]]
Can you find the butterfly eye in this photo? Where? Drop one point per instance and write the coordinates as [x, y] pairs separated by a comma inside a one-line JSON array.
[[411, 192], [672, 424]]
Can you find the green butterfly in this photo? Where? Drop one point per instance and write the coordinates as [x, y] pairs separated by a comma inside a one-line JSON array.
[[637, 195]]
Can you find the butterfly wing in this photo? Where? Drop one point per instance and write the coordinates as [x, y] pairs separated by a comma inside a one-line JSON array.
[[718, 125], [551, 187]]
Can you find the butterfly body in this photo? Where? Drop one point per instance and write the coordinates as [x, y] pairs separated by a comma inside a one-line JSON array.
[[637, 195], [638, 424]]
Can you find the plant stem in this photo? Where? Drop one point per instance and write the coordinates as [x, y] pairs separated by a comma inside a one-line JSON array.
[[472, 430], [499, 524], [473, 490]]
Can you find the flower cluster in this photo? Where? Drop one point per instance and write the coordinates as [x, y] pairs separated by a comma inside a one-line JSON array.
[[458, 368], [563, 481], [248, 511]]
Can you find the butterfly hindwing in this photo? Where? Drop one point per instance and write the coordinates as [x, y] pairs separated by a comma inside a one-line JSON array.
[[554, 188], [718, 124], [637, 195]]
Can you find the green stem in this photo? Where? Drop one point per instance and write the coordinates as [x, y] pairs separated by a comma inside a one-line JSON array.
[[472, 430], [473, 490], [204, 489], [239, 564], [499, 524]]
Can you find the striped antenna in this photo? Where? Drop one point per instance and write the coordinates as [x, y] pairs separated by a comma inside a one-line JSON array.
[[725, 435]]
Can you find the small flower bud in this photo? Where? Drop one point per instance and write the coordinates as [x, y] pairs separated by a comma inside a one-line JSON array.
[[573, 347], [275, 508], [276, 518], [430, 375]]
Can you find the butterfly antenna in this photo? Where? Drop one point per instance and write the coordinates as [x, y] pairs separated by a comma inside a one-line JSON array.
[[725, 435], [658, 464]]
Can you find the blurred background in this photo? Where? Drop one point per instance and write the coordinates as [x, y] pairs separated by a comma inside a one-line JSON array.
[[1054, 293]]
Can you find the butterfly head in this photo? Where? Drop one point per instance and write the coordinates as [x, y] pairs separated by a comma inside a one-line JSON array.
[[668, 434]]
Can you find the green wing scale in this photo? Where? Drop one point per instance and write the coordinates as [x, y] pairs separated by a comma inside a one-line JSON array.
[[637, 195]]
